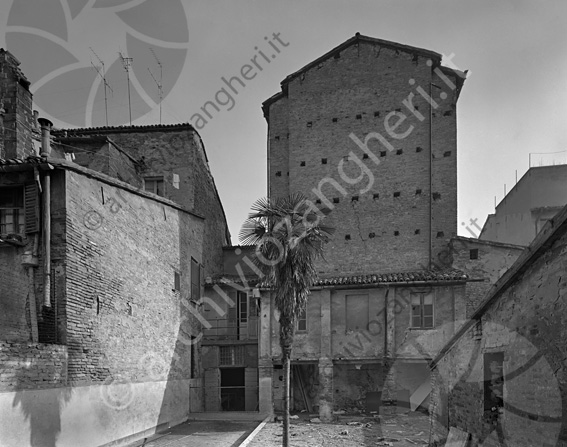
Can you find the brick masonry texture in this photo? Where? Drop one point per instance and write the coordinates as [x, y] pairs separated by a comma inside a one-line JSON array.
[[16, 121], [165, 151], [16, 287], [527, 323], [120, 302], [354, 93], [37, 366], [493, 259]]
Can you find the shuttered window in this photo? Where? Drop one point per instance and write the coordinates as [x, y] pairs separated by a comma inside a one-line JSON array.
[[12, 210], [31, 203]]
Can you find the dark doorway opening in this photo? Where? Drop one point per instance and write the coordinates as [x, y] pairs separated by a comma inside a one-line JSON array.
[[232, 389], [493, 387]]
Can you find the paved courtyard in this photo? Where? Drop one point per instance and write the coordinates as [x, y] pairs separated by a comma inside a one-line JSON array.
[[201, 434]]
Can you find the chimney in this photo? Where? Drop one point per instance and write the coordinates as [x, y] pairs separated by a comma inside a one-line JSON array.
[[17, 117], [46, 126]]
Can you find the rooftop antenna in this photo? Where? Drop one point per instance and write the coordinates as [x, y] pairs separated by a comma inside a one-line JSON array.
[[127, 63], [158, 83], [103, 76]]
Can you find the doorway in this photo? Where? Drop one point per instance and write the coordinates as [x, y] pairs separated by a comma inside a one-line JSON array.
[[232, 389]]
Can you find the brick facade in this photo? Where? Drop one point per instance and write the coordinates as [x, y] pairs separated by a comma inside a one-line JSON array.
[[155, 151], [16, 117], [318, 126]]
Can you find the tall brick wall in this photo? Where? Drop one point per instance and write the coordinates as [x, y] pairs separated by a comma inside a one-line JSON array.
[[16, 120], [383, 223], [165, 151], [120, 302], [526, 324]]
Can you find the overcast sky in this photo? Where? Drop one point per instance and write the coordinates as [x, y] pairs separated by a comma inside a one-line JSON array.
[[513, 103]]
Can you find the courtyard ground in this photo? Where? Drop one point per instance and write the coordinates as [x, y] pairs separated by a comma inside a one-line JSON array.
[[399, 430]]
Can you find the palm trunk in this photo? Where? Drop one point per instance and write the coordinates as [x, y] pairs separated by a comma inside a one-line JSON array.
[[287, 331], [286, 368]]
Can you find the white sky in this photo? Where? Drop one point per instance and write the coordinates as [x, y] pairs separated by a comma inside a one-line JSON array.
[[514, 102]]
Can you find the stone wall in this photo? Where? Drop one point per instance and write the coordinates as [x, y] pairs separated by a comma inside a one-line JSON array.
[[526, 324], [481, 260]]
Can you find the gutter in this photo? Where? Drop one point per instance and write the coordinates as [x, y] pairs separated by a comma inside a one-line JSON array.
[[46, 151]]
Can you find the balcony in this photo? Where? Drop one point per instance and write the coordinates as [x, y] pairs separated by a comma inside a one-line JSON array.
[[231, 329]]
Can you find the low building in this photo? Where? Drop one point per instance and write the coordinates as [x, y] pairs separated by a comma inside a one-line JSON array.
[[485, 261], [362, 342], [502, 377], [536, 198]]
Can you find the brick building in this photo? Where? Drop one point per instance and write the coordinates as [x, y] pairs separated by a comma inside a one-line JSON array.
[[501, 378], [358, 132], [105, 238]]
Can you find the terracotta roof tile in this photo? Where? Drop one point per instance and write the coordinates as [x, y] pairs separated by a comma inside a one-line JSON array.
[[32, 159], [402, 277]]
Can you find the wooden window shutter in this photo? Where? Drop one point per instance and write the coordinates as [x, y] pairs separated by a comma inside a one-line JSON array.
[[31, 205]]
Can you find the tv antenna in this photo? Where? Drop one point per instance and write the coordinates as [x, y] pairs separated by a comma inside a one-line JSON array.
[[102, 74], [158, 83], [127, 63]]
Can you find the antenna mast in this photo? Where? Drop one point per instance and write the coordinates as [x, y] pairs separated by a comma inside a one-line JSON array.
[[159, 84], [127, 63], [103, 76]]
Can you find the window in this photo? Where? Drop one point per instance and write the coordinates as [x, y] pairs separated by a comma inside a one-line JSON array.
[[242, 299], [155, 185], [12, 210], [421, 310], [195, 280], [473, 253], [301, 323], [231, 355]]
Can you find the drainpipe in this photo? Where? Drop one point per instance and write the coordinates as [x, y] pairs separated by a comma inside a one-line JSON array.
[[46, 151]]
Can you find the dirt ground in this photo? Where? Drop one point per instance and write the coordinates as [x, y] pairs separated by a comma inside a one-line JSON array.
[[399, 430]]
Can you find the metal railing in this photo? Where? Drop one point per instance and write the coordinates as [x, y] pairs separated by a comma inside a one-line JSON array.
[[229, 329]]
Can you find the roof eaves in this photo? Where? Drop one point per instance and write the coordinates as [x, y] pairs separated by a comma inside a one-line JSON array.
[[487, 242], [121, 129], [64, 164]]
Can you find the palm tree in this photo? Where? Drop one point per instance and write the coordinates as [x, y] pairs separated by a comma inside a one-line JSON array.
[[289, 238]]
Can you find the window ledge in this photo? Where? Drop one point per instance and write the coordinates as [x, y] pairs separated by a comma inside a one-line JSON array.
[[7, 240]]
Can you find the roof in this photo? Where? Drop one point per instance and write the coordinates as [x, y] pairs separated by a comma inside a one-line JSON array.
[[487, 242], [354, 40], [401, 278], [120, 129], [552, 230], [49, 163]]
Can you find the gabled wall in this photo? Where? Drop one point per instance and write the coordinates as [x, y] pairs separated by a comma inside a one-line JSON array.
[[314, 123]]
